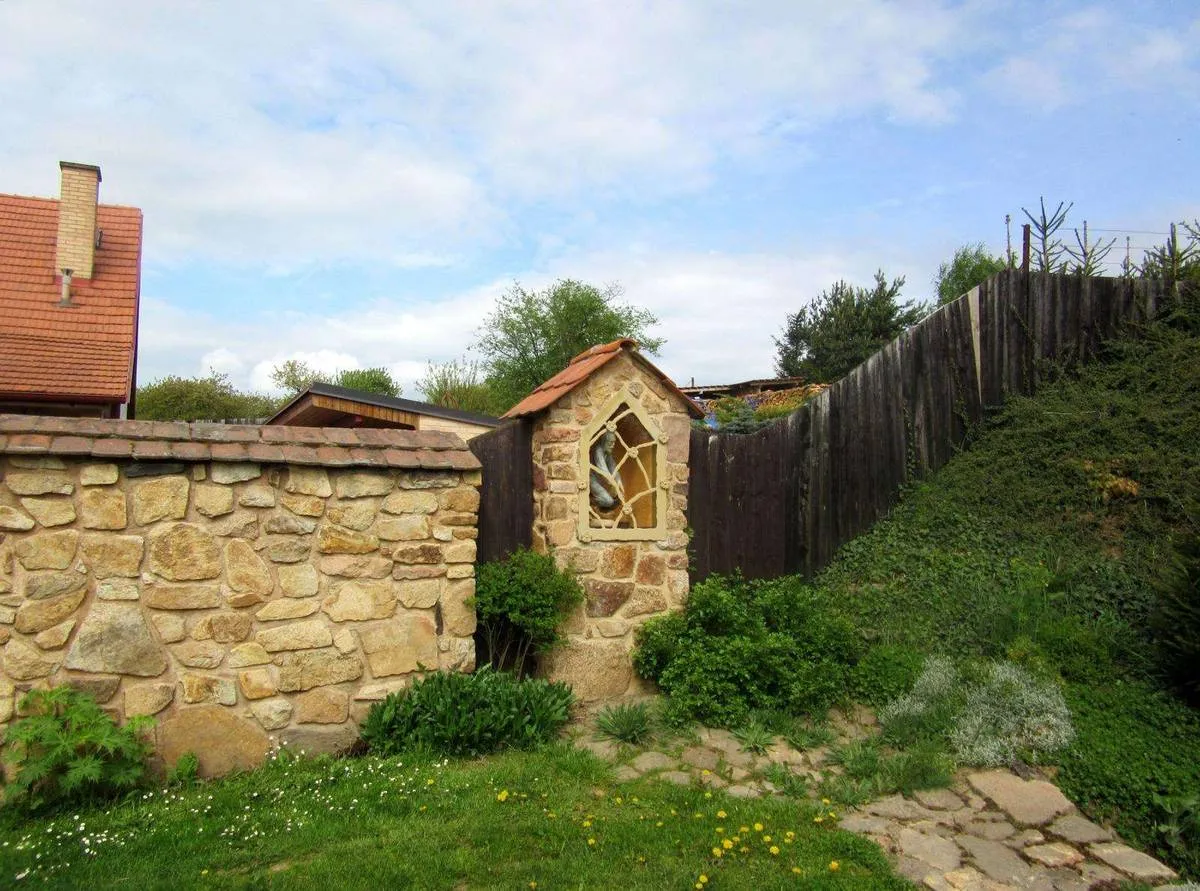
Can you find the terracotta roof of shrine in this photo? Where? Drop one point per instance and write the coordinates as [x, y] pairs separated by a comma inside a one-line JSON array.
[[584, 366], [113, 440]]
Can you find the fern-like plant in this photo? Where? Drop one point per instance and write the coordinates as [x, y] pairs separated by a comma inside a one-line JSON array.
[[628, 723], [67, 749]]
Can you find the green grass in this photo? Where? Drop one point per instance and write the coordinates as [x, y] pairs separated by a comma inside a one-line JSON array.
[[553, 817]]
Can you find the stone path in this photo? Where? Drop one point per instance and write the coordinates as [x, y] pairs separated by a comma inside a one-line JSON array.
[[991, 831]]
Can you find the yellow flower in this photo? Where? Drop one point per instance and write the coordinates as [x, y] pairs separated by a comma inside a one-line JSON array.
[[744, 849], [617, 800], [774, 849], [791, 834], [758, 827], [834, 866], [708, 795], [533, 884], [766, 839], [429, 782], [796, 870], [726, 844], [587, 823], [825, 801], [743, 829], [717, 852], [703, 879], [720, 830], [503, 796], [659, 824], [721, 815], [818, 819], [591, 841]]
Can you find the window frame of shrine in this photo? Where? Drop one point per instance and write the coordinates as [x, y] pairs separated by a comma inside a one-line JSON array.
[[660, 486]]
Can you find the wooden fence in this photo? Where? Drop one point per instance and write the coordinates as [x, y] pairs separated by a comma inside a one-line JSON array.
[[784, 499], [506, 496]]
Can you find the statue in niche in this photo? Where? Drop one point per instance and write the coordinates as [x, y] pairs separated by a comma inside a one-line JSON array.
[[605, 484]]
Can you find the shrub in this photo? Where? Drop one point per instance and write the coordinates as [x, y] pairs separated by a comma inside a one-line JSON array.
[[1004, 714], [1176, 620], [67, 750], [628, 723], [884, 673], [754, 737], [520, 602], [468, 714], [740, 646]]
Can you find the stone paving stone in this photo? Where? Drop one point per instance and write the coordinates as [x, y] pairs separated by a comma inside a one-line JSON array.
[[653, 761], [701, 757], [992, 830], [1079, 830], [940, 853], [625, 772], [1133, 863], [741, 791], [1025, 838], [938, 799], [897, 807], [863, 824], [1028, 802], [1053, 855], [995, 860], [678, 777]]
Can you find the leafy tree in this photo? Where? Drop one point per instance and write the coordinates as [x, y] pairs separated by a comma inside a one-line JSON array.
[[296, 376], [459, 384], [533, 335], [843, 326], [210, 398], [971, 265]]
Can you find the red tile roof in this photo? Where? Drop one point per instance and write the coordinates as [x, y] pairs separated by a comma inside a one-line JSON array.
[[83, 353], [183, 441], [584, 366]]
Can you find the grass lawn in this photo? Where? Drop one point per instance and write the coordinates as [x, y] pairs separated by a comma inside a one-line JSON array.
[[548, 819]]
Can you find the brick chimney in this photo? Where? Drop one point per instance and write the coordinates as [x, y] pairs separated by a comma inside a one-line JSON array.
[[77, 219]]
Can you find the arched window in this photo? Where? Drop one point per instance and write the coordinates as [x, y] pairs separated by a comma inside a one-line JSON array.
[[623, 462]]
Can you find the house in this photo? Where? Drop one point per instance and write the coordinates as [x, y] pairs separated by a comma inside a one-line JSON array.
[[324, 405], [70, 276], [743, 388]]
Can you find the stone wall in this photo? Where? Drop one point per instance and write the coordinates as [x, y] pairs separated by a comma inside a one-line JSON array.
[[234, 600], [628, 581]]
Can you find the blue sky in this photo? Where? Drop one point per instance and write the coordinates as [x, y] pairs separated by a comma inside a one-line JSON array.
[[354, 183]]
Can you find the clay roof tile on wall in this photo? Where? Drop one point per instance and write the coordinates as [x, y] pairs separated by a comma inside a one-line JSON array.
[[584, 366], [80, 353]]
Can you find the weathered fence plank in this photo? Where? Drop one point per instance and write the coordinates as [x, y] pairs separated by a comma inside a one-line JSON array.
[[784, 499], [506, 496]]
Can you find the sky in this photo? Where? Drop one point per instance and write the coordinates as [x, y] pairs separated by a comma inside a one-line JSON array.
[[354, 182]]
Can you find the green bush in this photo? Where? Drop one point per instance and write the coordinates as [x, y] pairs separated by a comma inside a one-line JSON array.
[[468, 714], [67, 750], [1176, 620], [520, 602], [739, 646], [884, 673]]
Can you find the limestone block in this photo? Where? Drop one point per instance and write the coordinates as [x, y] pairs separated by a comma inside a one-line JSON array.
[[678, 560], [617, 561], [257, 495], [459, 552], [170, 627], [228, 473], [25, 663], [360, 599], [101, 689], [426, 479], [323, 705], [113, 555], [199, 654], [257, 683], [400, 646], [118, 589], [221, 741], [460, 571], [306, 669], [412, 528], [357, 514], [38, 615], [160, 596], [56, 637], [162, 498], [410, 502], [272, 714], [333, 539], [458, 616], [363, 483], [14, 520], [304, 505], [147, 699], [278, 610], [1027, 802], [183, 552], [308, 481], [320, 739], [356, 566], [287, 550], [245, 571], [677, 585], [560, 533], [103, 509], [206, 688], [213, 500], [645, 601], [426, 553], [595, 669], [345, 641], [239, 524], [43, 585], [50, 511], [39, 482], [418, 571], [605, 598], [611, 627], [297, 636], [224, 627], [115, 639], [651, 570], [419, 593], [459, 655], [557, 507], [463, 498], [246, 654], [286, 523], [446, 518], [47, 550], [98, 474], [381, 690], [297, 580], [443, 533]]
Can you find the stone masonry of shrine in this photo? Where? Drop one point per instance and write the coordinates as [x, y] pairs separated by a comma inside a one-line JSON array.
[[244, 585]]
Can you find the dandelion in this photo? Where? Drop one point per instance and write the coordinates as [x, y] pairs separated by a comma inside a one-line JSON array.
[[503, 796], [717, 852], [758, 827], [703, 879], [796, 870], [766, 839], [721, 815], [587, 823], [774, 849], [834, 866], [826, 801], [591, 841], [726, 844]]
